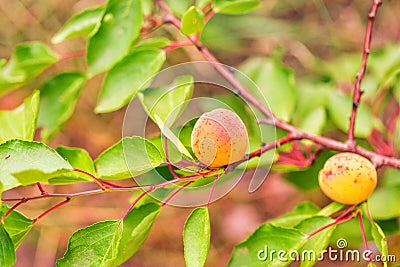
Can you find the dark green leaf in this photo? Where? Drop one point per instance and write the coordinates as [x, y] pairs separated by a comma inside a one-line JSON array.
[[192, 21], [276, 83], [7, 252], [313, 248], [127, 77], [118, 29], [137, 225], [129, 157], [168, 102], [95, 245], [16, 225], [18, 156], [196, 237], [299, 213], [26, 61], [81, 24], [380, 240], [256, 250], [384, 203], [58, 99], [339, 107], [235, 6], [20, 123]]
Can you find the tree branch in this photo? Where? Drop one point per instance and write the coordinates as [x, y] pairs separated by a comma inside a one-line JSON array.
[[360, 75]]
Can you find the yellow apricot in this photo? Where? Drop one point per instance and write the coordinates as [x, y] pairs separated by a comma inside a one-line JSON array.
[[347, 178], [219, 138]]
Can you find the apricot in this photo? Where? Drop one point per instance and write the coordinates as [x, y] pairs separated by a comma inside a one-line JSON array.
[[347, 178], [219, 138]]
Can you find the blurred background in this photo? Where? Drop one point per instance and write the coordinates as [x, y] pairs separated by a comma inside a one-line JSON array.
[[309, 33]]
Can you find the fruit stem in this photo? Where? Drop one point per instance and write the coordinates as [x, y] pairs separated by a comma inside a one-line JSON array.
[[212, 189], [337, 221], [364, 237], [165, 202]]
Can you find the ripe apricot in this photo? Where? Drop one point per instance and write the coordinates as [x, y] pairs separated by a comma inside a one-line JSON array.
[[347, 178], [219, 138]]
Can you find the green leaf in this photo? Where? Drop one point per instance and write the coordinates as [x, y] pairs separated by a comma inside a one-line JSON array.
[[308, 179], [299, 213], [77, 157], [81, 24], [7, 251], [196, 237], [18, 156], [127, 77], [118, 29], [384, 203], [313, 248], [16, 225], [137, 225], [256, 250], [314, 121], [20, 123], [391, 178], [58, 99], [152, 43], [339, 107], [235, 6], [276, 83], [380, 240], [331, 208], [26, 61], [192, 21], [168, 102], [129, 157], [172, 137], [95, 245]]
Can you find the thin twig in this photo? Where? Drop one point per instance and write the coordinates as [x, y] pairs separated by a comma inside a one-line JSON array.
[[51, 209], [165, 202], [360, 75]]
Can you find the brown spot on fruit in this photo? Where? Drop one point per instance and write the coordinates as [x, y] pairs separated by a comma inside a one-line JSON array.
[[352, 178]]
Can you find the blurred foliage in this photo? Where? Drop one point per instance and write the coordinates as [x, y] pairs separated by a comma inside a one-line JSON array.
[[303, 55]]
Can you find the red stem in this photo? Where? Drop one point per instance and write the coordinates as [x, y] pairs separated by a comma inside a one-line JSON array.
[[51, 209], [21, 201], [360, 75], [212, 190], [42, 191], [165, 202], [73, 54], [337, 221], [102, 184], [364, 237], [175, 45], [137, 200], [345, 212]]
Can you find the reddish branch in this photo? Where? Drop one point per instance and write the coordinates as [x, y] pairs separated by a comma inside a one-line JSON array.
[[293, 132], [377, 159], [360, 75]]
